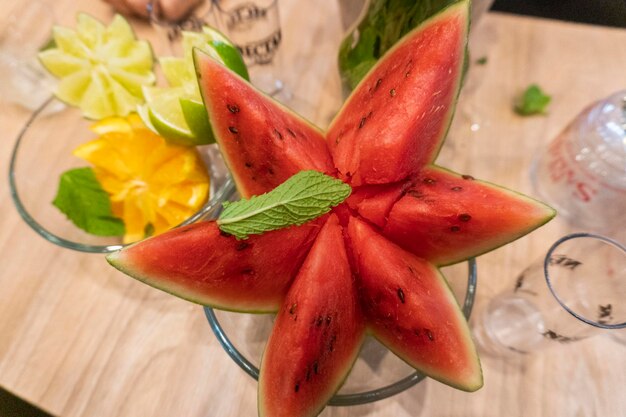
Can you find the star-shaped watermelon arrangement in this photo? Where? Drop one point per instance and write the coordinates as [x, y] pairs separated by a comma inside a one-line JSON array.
[[370, 266]]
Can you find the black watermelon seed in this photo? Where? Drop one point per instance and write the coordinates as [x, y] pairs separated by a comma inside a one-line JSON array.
[[241, 245], [315, 368], [248, 164], [277, 133], [467, 177], [328, 320], [291, 132], [464, 217], [378, 81], [401, 295], [362, 123], [270, 171], [415, 193], [392, 92], [297, 387], [457, 188], [233, 129], [233, 108], [293, 307], [455, 229], [429, 334], [247, 271], [429, 181]]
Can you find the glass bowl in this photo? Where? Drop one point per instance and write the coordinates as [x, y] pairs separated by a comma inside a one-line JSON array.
[[43, 151], [376, 374]]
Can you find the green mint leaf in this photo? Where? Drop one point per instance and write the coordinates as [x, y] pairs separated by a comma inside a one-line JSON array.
[[533, 101], [303, 197], [81, 198], [482, 60]]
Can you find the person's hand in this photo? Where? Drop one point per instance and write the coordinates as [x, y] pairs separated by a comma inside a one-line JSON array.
[[170, 9]]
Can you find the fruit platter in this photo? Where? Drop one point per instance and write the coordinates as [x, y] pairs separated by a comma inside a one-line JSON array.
[[339, 236]]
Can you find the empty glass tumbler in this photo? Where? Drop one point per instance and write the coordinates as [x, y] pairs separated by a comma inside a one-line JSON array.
[[576, 291]]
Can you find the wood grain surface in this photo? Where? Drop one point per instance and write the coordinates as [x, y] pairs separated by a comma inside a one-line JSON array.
[[78, 338]]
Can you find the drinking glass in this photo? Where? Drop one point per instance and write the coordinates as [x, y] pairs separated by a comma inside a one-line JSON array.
[[578, 290], [25, 31], [376, 374], [254, 27]]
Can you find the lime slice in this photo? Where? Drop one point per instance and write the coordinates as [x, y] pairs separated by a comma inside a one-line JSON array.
[[166, 116], [101, 68], [177, 112]]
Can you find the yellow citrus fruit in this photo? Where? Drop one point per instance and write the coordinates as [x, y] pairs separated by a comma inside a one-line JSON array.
[[152, 184], [101, 68]]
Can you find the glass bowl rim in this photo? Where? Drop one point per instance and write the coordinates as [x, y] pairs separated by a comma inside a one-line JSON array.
[[346, 399], [223, 193]]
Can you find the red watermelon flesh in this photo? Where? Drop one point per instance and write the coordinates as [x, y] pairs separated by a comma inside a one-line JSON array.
[[199, 263], [411, 310], [263, 142], [446, 217], [317, 333], [374, 202], [396, 119]]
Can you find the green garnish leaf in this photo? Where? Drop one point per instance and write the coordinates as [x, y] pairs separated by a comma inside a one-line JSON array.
[[81, 198], [533, 101], [303, 197], [482, 60]]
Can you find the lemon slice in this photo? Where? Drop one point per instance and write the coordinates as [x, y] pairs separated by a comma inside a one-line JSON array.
[[101, 68], [177, 112]]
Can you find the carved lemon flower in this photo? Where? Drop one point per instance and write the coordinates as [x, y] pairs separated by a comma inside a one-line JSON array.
[[151, 184], [101, 68]]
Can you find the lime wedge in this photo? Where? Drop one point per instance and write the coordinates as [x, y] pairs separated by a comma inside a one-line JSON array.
[[177, 112], [165, 115], [197, 118]]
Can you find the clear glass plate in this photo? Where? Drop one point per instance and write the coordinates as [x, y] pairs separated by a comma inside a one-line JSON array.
[[43, 151], [377, 373]]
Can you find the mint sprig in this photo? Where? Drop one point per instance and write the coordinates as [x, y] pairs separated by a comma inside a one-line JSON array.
[[303, 197], [533, 101], [81, 198]]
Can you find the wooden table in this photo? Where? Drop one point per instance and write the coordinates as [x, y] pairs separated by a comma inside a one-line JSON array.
[[78, 338]]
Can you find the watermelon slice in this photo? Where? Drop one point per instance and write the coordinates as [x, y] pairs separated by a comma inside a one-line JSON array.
[[395, 120], [405, 217], [410, 309], [263, 142], [446, 217], [317, 333], [200, 264]]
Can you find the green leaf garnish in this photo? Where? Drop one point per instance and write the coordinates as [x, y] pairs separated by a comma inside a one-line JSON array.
[[303, 197], [533, 101], [81, 198]]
